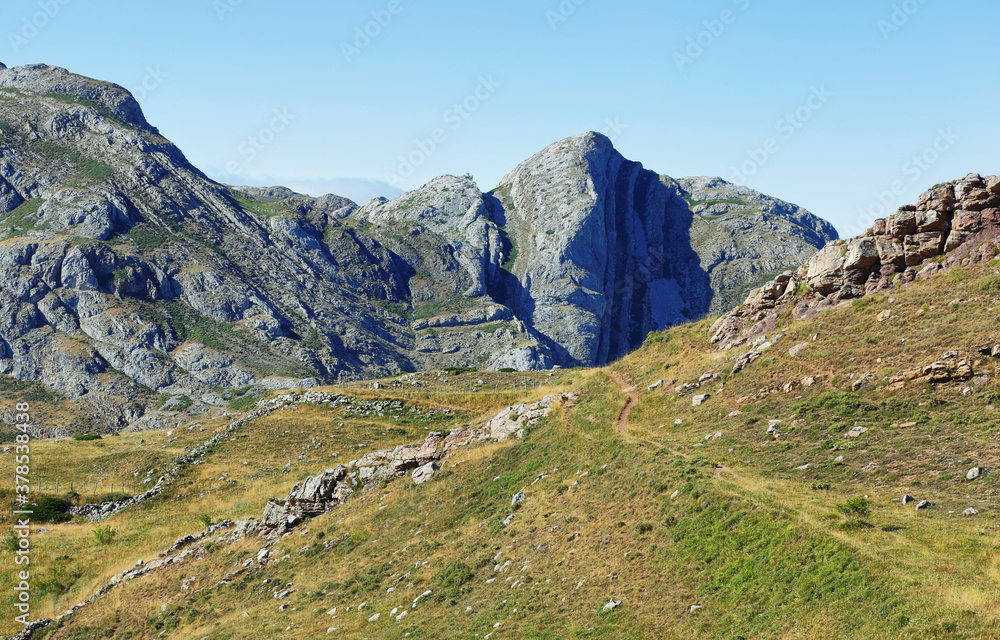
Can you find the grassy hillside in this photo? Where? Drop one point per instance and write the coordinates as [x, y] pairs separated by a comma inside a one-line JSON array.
[[699, 521]]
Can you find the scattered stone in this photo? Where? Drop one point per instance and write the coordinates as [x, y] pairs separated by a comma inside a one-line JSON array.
[[518, 498], [883, 316], [611, 606], [864, 381], [694, 608], [803, 467], [855, 432], [744, 361], [907, 499], [974, 473], [508, 520], [924, 504], [970, 512], [797, 349], [684, 389], [697, 401], [656, 385], [871, 466], [839, 460]]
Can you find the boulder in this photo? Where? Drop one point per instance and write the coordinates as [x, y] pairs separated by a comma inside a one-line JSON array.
[[974, 474], [424, 473], [699, 400]]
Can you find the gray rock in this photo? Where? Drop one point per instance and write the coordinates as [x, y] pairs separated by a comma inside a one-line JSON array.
[[518, 498], [424, 473], [699, 400], [974, 473], [611, 605], [907, 499]]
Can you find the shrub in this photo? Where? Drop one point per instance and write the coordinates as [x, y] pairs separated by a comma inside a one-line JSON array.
[[52, 510], [958, 275], [87, 437], [855, 511], [146, 238], [507, 370], [104, 535], [205, 519], [992, 283], [643, 528]]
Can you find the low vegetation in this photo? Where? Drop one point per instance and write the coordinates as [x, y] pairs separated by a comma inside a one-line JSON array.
[[751, 516]]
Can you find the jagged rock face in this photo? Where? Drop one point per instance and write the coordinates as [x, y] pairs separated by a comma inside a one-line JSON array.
[[953, 224], [607, 251], [125, 272], [603, 254], [744, 237]]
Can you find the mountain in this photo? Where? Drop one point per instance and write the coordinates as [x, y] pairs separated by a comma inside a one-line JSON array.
[[128, 278]]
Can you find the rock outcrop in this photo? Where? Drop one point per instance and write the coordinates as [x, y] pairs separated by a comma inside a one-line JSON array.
[[953, 224], [318, 494]]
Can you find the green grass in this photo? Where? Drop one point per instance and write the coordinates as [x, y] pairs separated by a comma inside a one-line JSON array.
[[146, 237], [188, 324], [91, 104], [263, 208], [24, 218], [87, 437], [429, 310], [651, 512], [86, 170]]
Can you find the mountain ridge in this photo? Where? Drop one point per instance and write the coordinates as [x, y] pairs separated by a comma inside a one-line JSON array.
[[129, 274]]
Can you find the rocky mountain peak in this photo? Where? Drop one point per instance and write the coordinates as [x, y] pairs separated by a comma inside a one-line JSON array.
[[47, 80]]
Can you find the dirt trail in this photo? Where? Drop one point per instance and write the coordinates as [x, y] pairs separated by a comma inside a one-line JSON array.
[[633, 398]]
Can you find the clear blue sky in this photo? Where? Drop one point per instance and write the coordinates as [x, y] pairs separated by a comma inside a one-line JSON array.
[[884, 87]]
